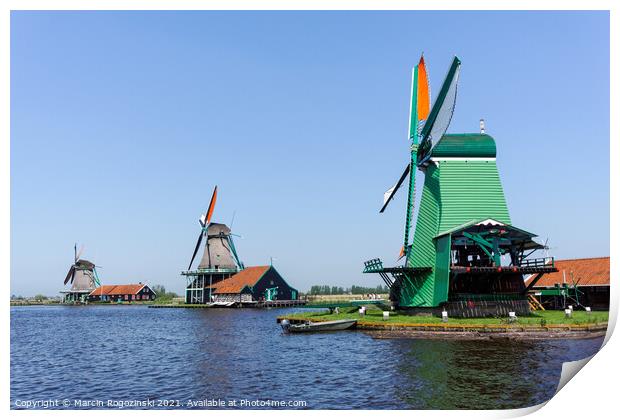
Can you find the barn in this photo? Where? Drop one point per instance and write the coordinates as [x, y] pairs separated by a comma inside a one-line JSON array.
[[253, 284], [122, 293], [578, 282]]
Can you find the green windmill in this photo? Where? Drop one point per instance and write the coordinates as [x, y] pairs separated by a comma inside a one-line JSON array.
[[465, 257]]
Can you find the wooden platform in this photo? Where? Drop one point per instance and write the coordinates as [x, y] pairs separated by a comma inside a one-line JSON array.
[[504, 269], [349, 303], [253, 304]]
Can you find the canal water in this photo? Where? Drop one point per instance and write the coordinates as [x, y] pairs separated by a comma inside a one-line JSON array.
[[179, 357]]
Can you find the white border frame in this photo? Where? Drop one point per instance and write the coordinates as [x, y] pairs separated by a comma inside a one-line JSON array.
[[590, 395]]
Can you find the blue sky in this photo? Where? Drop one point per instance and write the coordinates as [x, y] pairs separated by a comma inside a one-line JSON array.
[[122, 123]]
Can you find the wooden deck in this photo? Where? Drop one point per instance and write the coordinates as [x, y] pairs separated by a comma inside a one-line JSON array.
[[253, 304], [280, 303]]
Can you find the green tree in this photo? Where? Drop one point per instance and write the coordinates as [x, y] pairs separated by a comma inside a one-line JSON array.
[[159, 290], [162, 295]]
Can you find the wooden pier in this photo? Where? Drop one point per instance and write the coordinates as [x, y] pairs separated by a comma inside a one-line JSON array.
[[280, 303], [250, 304]]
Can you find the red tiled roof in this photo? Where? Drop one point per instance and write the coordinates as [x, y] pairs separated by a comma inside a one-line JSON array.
[[583, 271], [123, 289], [235, 284]]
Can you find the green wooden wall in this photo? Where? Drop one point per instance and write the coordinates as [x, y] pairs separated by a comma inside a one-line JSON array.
[[456, 190]]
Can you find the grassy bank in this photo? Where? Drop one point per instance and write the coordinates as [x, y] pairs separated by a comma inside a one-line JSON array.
[[341, 298], [26, 302], [539, 318]]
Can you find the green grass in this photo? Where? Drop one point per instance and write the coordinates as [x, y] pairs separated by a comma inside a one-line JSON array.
[[539, 318]]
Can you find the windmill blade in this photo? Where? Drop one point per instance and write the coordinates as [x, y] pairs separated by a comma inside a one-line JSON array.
[[97, 282], [195, 250], [70, 275], [233, 219], [211, 206], [389, 194], [231, 246], [441, 113], [424, 92], [79, 254], [420, 99], [420, 102]]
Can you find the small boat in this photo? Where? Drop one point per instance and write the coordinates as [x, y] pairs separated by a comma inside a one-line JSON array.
[[308, 326], [221, 304]]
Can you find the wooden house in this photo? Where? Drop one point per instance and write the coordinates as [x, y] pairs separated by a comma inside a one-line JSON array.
[[253, 284], [578, 282], [122, 293]]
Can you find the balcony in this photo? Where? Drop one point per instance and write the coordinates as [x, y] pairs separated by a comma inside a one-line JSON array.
[[529, 266]]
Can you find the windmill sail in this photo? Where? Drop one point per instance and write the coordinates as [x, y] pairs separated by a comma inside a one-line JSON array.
[[424, 93], [389, 194], [441, 113], [211, 206], [70, 275], [204, 220], [420, 102], [419, 111], [195, 250]]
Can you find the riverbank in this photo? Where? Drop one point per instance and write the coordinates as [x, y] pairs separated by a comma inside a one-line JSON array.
[[57, 303], [233, 305], [538, 325], [34, 303]]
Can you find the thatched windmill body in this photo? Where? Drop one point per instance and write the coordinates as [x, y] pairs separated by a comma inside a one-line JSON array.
[[82, 277]]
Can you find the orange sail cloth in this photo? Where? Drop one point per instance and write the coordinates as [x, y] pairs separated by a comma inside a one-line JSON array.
[[402, 252], [424, 94], [211, 206]]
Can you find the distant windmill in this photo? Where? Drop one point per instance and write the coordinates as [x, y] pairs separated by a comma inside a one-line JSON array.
[[82, 276], [219, 260], [219, 252]]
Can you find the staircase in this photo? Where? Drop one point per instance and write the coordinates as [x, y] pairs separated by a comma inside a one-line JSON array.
[[535, 304]]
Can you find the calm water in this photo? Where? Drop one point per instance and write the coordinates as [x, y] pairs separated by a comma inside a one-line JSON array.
[[136, 353]]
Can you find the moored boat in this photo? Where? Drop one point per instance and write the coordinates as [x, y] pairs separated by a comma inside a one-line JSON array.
[[308, 326]]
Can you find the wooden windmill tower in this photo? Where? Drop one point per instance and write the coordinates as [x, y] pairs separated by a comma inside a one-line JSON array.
[[219, 260], [82, 277], [465, 256]]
